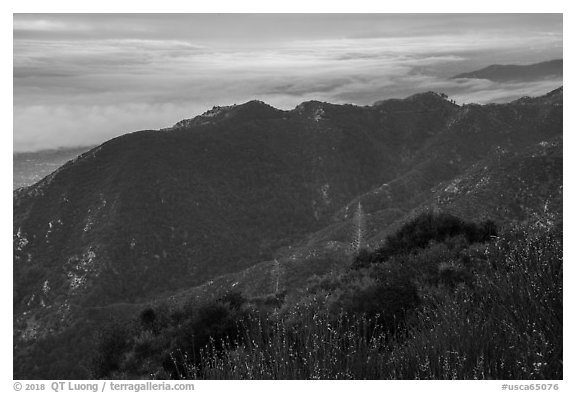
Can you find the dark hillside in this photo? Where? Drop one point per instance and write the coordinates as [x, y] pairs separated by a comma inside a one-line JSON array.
[[258, 199]]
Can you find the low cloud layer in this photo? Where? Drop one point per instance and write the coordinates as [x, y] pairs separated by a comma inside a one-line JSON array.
[[81, 81]]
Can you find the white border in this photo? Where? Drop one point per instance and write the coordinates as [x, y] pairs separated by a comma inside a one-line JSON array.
[[356, 6]]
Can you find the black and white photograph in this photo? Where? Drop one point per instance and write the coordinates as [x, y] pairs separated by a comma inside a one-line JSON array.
[[287, 196]]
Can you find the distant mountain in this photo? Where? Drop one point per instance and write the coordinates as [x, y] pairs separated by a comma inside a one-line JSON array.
[[258, 199], [30, 167], [517, 73]]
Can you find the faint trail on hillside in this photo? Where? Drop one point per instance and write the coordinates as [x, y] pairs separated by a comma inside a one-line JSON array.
[[359, 229], [275, 273]]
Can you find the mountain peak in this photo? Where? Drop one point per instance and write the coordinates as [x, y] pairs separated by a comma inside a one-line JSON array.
[[418, 101], [312, 109], [204, 118], [256, 103], [250, 109], [429, 95]]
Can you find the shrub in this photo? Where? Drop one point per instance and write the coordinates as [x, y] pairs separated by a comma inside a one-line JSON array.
[[112, 342], [387, 304], [147, 318], [408, 317], [418, 233], [234, 299]]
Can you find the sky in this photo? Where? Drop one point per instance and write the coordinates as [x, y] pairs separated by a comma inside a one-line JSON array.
[[81, 79]]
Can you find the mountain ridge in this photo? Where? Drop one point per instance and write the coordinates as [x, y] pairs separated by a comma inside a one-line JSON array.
[[151, 214], [513, 72]]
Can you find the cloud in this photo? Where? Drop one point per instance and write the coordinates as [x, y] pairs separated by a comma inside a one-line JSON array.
[[505, 92], [45, 127], [82, 81], [45, 25]]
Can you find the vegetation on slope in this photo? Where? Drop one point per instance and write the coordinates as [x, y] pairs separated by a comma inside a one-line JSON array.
[[256, 199], [456, 307]]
